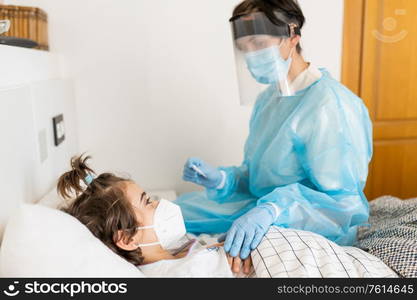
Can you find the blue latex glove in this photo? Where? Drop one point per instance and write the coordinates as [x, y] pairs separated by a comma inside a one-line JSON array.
[[247, 231], [212, 177]]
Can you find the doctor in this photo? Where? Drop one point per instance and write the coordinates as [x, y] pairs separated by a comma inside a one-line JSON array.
[[310, 142]]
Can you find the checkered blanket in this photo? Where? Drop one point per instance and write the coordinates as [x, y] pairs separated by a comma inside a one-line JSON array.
[[392, 236], [295, 253]]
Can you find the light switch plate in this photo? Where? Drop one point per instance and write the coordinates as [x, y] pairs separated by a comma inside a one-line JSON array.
[[59, 129], [43, 145]]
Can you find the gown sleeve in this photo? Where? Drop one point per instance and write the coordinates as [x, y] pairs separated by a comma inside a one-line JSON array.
[[330, 201], [237, 180]]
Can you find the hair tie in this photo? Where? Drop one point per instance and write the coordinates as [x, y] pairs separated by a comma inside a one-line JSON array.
[[89, 179]]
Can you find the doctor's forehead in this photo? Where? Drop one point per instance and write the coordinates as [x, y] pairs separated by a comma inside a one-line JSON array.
[[248, 42]]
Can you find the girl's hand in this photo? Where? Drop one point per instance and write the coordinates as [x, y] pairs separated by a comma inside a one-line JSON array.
[[236, 264]]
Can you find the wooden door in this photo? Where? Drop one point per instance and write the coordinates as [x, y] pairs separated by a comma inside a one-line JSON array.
[[380, 65]]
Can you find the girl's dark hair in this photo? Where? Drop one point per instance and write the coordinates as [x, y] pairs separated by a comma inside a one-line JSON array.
[[101, 205], [291, 8]]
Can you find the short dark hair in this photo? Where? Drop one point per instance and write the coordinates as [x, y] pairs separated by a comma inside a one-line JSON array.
[[291, 8]]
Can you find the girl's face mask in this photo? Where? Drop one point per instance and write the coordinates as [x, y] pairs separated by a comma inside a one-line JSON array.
[[168, 225]]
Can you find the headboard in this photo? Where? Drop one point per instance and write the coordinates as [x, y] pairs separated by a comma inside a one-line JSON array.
[[26, 135]]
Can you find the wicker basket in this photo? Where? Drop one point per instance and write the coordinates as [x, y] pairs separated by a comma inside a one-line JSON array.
[[27, 22]]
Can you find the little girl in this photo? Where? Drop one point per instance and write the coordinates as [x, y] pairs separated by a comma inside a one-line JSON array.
[[147, 233], [150, 234]]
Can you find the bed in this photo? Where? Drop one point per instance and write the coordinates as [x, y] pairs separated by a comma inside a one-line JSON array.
[[392, 236], [63, 247]]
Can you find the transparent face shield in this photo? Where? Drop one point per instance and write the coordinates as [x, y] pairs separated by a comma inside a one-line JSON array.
[[259, 58]]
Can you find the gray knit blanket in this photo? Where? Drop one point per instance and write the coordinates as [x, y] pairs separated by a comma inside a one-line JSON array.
[[392, 235]]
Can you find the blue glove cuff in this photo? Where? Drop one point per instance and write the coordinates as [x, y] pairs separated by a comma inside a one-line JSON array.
[[272, 209]]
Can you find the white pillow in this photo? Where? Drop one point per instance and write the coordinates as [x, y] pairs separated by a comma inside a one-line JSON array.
[[52, 199], [43, 242]]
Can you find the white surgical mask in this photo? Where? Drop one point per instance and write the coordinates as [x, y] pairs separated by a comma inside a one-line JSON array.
[[168, 225]]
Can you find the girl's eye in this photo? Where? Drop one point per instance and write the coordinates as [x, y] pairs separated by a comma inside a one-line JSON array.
[[148, 200]]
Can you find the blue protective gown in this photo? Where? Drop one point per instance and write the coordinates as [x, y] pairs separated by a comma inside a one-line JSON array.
[[308, 154]]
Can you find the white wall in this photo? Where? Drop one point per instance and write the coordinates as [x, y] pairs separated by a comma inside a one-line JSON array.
[[322, 39], [20, 66], [25, 113], [16, 137], [50, 98], [155, 80], [30, 96]]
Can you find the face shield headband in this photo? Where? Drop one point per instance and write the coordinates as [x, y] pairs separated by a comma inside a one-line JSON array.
[[259, 23]]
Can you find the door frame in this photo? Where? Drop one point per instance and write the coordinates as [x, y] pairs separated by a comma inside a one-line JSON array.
[[353, 42], [353, 56]]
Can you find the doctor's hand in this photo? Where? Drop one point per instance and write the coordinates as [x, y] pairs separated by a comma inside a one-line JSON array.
[[209, 178], [246, 232]]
